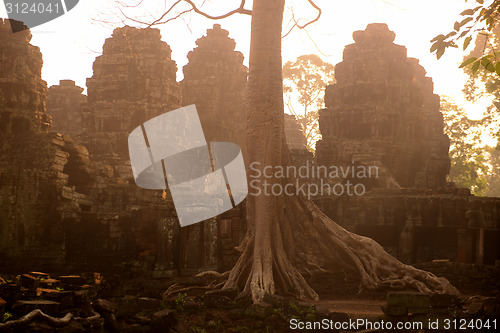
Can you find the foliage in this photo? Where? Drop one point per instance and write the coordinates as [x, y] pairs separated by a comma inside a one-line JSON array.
[[7, 316], [310, 127], [485, 84], [306, 314], [308, 76], [469, 166], [493, 176], [180, 302], [304, 81], [481, 20]]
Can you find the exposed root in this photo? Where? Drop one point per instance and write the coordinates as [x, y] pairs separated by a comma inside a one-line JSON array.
[[305, 241], [176, 288], [21, 323]]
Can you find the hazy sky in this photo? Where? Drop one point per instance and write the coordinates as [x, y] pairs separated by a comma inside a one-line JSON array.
[[70, 43]]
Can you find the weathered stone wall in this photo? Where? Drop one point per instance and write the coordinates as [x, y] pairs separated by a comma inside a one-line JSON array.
[[37, 202], [382, 111], [64, 103], [418, 225]]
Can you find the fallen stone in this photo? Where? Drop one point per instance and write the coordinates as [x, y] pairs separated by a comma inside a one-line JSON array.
[[422, 310], [474, 309], [104, 306], [50, 283], [72, 280], [260, 310], [24, 307], [181, 327], [80, 297], [275, 300], [443, 300], [217, 301], [191, 305], [243, 302], [162, 321], [10, 292], [29, 281], [235, 314], [39, 275], [408, 299], [131, 305], [65, 298], [44, 291], [338, 316], [396, 311]]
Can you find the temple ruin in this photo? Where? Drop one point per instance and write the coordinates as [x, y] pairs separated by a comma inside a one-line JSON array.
[[37, 202], [62, 205], [382, 112]]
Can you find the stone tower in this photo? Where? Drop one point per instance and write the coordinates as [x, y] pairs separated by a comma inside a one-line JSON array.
[[37, 197], [134, 80], [64, 104], [215, 81], [22, 90], [382, 112]]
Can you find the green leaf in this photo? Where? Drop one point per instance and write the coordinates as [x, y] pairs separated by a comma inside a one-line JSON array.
[[486, 63], [467, 42], [480, 1], [467, 12], [497, 68], [467, 62], [475, 67], [434, 47], [490, 68], [456, 26]]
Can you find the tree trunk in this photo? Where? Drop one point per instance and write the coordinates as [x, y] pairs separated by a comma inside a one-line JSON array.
[[289, 233]]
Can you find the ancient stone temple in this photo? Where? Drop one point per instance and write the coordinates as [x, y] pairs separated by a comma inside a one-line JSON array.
[[37, 200], [382, 111], [134, 80], [215, 81], [64, 103]]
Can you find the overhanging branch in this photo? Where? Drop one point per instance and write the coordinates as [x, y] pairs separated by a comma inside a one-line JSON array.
[[302, 26], [193, 8], [240, 10]]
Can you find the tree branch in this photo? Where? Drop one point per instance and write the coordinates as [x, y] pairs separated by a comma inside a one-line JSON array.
[[296, 24], [239, 10], [193, 7]]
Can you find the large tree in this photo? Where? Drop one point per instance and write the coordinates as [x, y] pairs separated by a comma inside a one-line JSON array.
[[469, 167], [304, 82], [289, 235]]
